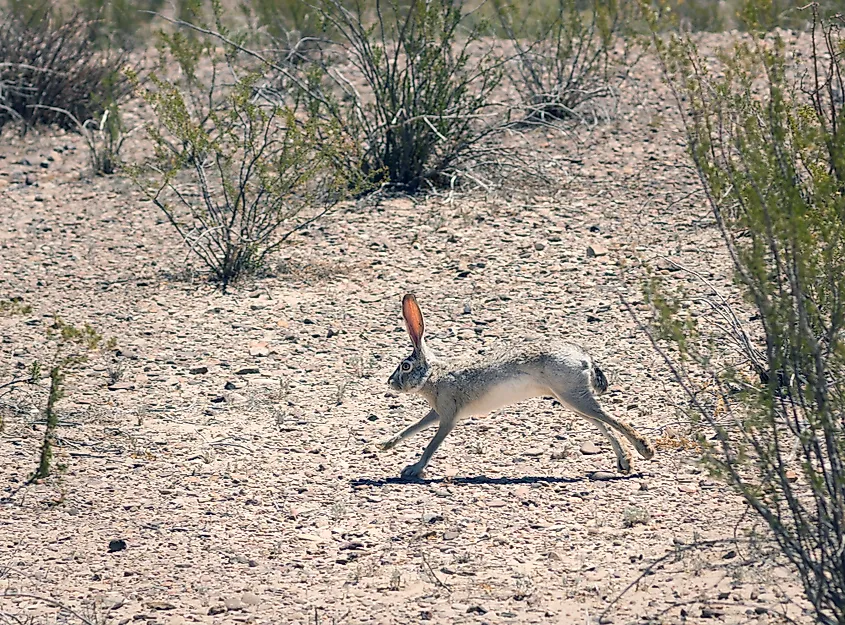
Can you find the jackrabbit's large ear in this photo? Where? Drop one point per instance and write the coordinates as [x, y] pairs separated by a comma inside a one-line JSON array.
[[413, 320]]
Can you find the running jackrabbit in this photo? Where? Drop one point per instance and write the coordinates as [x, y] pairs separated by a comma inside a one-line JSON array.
[[458, 389]]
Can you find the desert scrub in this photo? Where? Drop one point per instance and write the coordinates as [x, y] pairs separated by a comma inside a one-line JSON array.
[[49, 71], [246, 177], [72, 347], [765, 133], [415, 93], [569, 54]]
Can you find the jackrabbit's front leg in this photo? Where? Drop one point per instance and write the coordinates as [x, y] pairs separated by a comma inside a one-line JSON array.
[[415, 470], [423, 423]]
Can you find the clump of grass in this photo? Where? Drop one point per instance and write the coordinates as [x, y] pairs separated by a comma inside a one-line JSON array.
[[635, 516]]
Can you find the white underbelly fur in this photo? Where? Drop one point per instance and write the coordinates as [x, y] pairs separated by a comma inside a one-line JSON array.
[[505, 394]]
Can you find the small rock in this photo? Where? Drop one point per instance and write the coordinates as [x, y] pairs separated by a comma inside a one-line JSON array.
[[331, 332], [45, 164], [198, 370], [539, 246], [476, 609], [352, 544], [533, 452], [711, 613], [761, 610], [730, 555], [230, 386], [467, 308], [121, 386], [592, 318], [687, 488], [450, 535], [596, 249], [259, 349], [160, 605], [590, 448], [602, 476], [216, 609], [559, 455], [791, 475], [249, 598], [247, 371], [29, 180], [117, 545], [447, 570], [496, 503], [431, 517], [233, 604], [667, 265]]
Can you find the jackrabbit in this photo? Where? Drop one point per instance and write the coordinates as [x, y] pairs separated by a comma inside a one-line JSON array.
[[458, 389]]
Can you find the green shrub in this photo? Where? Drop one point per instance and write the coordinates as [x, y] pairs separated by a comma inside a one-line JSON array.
[[415, 92], [768, 142], [566, 54], [49, 71], [256, 173]]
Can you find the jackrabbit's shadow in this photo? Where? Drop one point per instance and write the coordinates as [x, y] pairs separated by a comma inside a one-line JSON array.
[[483, 479]]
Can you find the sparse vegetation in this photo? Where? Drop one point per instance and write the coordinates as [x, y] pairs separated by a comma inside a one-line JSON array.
[[50, 73], [568, 57], [259, 176], [72, 347], [770, 158], [418, 105]]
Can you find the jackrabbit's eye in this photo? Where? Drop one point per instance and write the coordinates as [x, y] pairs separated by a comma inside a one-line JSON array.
[[406, 366]]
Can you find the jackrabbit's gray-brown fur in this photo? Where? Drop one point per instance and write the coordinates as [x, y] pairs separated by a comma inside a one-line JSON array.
[[456, 389]]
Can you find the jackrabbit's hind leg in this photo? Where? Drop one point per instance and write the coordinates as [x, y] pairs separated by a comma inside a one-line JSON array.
[[623, 455], [423, 423], [586, 405]]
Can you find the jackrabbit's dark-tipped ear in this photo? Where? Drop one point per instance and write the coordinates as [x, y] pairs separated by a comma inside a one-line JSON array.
[[413, 320]]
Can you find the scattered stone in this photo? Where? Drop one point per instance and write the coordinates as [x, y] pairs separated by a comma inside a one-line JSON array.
[[233, 604], [730, 555], [791, 475], [352, 544], [539, 246], [711, 613], [198, 370], [431, 517], [260, 349], [476, 609], [559, 455], [590, 448], [45, 164], [216, 609], [533, 452], [467, 308], [447, 570], [664, 264], [496, 503], [160, 605], [602, 476], [117, 544], [687, 488], [592, 318], [247, 371], [596, 249], [122, 386], [249, 598]]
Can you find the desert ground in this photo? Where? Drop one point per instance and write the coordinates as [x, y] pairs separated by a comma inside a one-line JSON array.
[[230, 441]]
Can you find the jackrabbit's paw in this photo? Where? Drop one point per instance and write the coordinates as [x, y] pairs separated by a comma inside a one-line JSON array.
[[390, 443], [623, 465], [412, 472]]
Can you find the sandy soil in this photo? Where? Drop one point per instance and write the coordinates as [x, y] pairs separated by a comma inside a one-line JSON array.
[[260, 497]]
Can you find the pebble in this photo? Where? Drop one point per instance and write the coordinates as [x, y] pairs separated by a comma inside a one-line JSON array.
[[233, 604], [533, 452], [687, 488], [198, 370], [596, 249], [247, 371], [117, 544], [249, 598], [602, 476], [590, 448]]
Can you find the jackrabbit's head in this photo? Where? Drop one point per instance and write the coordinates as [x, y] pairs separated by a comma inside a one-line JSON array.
[[412, 372]]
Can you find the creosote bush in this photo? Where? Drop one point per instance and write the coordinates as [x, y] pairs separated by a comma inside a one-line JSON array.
[[49, 70], [246, 178], [766, 134], [568, 54], [411, 85]]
